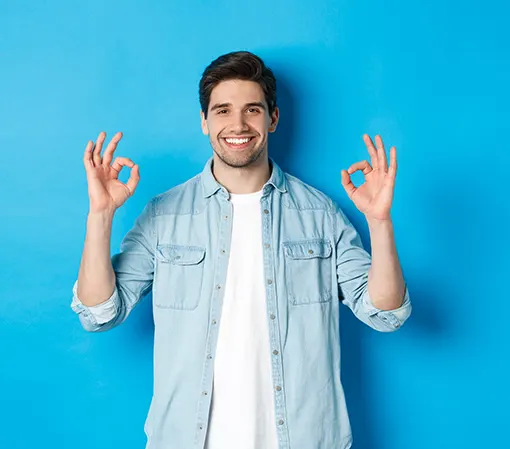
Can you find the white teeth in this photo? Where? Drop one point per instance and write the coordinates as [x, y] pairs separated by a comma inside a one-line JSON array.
[[238, 141]]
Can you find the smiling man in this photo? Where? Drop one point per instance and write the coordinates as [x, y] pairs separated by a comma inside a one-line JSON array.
[[237, 117], [249, 267]]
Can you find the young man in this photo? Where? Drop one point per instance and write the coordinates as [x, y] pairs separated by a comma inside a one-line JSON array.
[[248, 266]]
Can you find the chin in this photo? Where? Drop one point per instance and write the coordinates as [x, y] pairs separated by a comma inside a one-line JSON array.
[[239, 159]]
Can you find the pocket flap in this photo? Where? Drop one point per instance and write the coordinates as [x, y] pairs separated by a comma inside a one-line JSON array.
[[180, 254], [308, 249]]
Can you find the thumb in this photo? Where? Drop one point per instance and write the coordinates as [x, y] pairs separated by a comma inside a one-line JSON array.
[[134, 177], [347, 183]]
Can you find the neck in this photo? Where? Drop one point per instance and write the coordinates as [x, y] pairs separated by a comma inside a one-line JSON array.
[[248, 179]]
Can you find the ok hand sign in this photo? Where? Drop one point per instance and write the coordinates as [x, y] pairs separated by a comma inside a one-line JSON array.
[[375, 196], [106, 192]]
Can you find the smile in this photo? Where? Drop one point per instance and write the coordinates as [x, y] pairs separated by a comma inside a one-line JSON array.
[[237, 142]]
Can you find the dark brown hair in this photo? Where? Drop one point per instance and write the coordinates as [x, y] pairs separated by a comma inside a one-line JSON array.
[[241, 65]]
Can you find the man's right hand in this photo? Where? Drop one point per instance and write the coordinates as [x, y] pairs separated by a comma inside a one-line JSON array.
[[106, 192]]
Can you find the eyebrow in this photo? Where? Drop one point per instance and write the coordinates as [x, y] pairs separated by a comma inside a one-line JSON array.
[[226, 105]]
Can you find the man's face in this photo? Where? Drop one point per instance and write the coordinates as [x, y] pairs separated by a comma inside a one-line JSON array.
[[238, 122]]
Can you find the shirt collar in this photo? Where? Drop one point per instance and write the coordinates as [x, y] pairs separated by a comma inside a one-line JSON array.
[[210, 186]]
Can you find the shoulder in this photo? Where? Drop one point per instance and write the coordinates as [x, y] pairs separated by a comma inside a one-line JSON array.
[[304, 196], [178, 199]]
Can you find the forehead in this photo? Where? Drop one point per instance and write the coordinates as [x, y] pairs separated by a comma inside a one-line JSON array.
[[237, 92]]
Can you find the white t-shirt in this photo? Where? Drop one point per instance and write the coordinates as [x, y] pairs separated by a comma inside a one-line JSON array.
[[242, 410]]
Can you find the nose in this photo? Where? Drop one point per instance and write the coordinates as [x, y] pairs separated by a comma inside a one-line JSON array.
[[238, 123]]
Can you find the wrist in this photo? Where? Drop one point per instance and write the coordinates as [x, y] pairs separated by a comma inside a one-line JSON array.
[[98, 217], [378, 223]]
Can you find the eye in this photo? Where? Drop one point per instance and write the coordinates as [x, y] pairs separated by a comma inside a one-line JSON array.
[[253, 110], [221, 111]]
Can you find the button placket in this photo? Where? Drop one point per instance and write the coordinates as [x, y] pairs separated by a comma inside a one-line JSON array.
[[218, 283], [274, 331]]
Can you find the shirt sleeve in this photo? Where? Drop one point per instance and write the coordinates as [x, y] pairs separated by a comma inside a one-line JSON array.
[[353, 263], [134, 272]]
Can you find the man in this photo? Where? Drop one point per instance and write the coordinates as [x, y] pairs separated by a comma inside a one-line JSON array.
[[248, 266]]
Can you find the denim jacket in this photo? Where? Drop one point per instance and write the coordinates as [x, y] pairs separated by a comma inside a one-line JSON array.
[[313, 261]]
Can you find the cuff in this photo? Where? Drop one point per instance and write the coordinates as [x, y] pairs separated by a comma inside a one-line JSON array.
[[100, 313], [393, 318]]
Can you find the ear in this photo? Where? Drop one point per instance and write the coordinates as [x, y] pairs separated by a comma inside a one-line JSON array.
[[274, 120], [205, 128]]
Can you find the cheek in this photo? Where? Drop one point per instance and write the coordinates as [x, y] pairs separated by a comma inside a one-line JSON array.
[[216, 127], [260, 125], [213, 131]]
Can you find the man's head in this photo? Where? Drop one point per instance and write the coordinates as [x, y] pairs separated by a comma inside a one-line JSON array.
[[238, 101]]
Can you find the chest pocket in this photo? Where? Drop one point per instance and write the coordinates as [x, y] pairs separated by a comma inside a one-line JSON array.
[[308, 271], [178, 276]]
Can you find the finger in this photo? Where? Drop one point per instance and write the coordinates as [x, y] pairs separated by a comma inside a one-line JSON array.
[[347, 183], [383, 162], [122, 162], [108, 153], [364, 166], [97, 150], [371, 150], [133, 179], [393, 163], [87, 156]]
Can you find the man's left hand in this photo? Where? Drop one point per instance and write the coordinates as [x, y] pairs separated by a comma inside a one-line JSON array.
[[375, 196]]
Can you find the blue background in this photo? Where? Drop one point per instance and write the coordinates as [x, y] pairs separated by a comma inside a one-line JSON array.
[[430, 76]]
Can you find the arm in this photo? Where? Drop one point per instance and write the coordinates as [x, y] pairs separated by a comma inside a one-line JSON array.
[[133, 273], [95, 295], [385, 281], [386, 295], [96, 278], [353, 266]]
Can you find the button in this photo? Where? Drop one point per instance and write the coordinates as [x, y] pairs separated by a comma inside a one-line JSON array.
[[209, 356], [204, 393], [200, 427], [225, 217], [177, 257], [266, 245], [266, 211], [275, 352], [223, 251], [218, 286], [269, 281], [280, 422], [214, 321], [310, 251], [272, 316], [278, 388]]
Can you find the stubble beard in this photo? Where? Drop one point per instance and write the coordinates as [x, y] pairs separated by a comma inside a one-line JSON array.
[[241, 159]]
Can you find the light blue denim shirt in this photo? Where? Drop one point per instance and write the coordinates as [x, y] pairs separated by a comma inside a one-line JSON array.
[[313, 261]]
